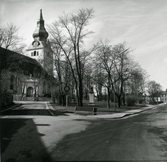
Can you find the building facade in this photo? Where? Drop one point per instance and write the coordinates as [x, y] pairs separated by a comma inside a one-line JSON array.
[[23, 77], [163, 96]]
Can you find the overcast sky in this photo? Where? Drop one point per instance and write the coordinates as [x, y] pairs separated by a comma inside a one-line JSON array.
[[141, 23]]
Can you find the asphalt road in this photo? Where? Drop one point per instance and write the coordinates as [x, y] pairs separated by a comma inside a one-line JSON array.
[[30, 133], [139, 138], [12, 123]]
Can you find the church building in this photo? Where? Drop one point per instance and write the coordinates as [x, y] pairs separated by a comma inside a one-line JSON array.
[[30, 76], [41, 51]]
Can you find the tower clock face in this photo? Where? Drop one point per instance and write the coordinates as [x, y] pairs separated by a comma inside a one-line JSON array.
[[36, 43]]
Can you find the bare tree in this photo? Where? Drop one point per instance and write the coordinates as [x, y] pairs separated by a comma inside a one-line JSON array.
[[100, 80], [154, 89], [69, 33], [121, 71], [117, 66], [104, 59], [136, 84], [58, 65], [9, 38]]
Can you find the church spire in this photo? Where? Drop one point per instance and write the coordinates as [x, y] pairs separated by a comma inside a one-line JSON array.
[[40, 32], [41, 17]]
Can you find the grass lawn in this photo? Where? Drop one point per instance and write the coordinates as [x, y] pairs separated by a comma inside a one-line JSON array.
[[100, 105]]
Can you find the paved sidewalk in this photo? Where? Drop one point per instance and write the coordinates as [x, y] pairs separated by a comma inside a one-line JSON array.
[[127, 113], [113, 115], [70, 110]]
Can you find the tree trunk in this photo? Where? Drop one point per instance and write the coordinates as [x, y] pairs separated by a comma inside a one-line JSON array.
[[77, 93], [114, 102], [119, 100], [108, 99], [100, 93], [80, 103], [123, 98]]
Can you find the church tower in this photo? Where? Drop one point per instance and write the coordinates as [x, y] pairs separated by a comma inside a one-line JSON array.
[[40, 48]]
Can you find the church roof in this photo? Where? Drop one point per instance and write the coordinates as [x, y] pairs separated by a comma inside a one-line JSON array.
[[40, 32]]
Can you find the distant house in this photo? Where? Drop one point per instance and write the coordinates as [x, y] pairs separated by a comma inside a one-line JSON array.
[[163, 96]]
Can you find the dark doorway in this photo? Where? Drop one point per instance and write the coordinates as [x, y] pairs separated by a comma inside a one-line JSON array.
[[29, 92]]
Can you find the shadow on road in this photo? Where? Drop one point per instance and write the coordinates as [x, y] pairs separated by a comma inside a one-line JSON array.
[[43, 112], [20, 141]]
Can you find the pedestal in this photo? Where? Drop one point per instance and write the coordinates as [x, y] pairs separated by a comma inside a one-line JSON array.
[[91, 98]]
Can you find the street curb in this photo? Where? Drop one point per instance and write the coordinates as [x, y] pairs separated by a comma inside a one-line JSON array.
[[126, 114], [13, 107], [142, 110], [48, 105]]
